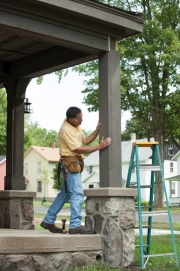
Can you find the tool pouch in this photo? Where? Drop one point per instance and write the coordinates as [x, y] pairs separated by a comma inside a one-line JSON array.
[[73, 164]]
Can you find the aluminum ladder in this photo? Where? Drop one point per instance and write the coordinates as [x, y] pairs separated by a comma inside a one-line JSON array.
[[134, 162]]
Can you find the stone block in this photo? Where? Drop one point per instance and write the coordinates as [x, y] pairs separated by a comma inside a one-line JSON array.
[[111, 207], [89, 222], [22, 241], [98, 219], [27, 210], [40, 263], [18, 262], [112, 244], [110, 192], [127, 215], [80, 260], [128, 247], [60, 261], [16, 210]]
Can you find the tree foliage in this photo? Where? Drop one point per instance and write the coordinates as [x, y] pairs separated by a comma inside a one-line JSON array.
[[133, 126], [34, 135], [57, 185], [150, 65], [45, 179]]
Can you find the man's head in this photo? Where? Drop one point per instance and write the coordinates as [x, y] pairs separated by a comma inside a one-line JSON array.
[[74, 116]]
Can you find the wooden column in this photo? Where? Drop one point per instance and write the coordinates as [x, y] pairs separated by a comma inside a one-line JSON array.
[[14, 179], [110, 116]]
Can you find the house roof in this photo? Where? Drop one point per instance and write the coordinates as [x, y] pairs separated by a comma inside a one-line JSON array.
[[174, 178], [144, 153], [49, 153], [89, 176], [2, 158], [42, 36], [175, 156]]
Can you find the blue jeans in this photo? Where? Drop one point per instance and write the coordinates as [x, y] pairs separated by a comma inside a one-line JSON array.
[[75, 195]]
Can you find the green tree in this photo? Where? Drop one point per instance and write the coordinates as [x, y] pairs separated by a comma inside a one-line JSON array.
[[3, 119], [45, 179], [96, 140], [133, 126], [57, 185], [37, 136], [149, 73]]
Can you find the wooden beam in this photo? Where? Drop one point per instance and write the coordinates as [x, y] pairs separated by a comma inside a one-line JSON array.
[[49, 60], [110, 117], [103, 13], [48, 31]]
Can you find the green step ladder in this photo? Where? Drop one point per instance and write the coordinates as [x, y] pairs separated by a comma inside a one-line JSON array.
[[134, 162]]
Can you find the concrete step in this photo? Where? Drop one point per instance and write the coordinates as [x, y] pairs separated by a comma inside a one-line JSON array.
[[33, 241]]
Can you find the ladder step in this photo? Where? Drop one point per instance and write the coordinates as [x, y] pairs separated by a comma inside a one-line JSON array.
[[149, 167], [154, 213], [133, 183], [144, 227], [142, 186], [158, 255], [138, 246], [144, 206], [144, 144]]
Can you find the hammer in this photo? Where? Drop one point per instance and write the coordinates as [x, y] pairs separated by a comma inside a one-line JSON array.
[[63, 225]]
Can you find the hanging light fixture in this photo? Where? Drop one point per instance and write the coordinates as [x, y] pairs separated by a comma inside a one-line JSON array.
[[27, 109]]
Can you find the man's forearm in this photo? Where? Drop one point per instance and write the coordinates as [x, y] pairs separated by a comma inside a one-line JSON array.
[[91, 137], [88, 149]]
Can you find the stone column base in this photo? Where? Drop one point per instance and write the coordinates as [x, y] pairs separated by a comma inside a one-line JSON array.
[[16, 209], [111, 212]]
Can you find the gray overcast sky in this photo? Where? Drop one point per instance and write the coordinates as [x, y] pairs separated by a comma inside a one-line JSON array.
[[50, 100]]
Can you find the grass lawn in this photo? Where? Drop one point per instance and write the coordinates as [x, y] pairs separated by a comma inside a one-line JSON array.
[[159, 245]]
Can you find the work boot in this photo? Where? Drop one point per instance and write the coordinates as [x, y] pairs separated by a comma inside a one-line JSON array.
[[82, 230], [51, 227]]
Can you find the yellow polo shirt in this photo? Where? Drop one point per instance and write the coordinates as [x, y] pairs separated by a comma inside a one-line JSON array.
[[70, 138]]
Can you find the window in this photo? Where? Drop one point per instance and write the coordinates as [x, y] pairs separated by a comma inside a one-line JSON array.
[[170, 151], [39, 168], [89, 169], [91, 185], [26, 169], [173, 188], [39, 186], [171, 167]]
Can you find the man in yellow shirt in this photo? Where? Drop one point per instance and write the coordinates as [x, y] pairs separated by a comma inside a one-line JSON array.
[[71, 139]]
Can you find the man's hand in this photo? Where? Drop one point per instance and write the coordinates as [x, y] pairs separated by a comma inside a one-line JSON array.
[[98, 125], [104, 142], [102, 145]]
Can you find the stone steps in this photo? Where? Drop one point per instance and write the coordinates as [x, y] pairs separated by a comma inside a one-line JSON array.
[[13, 241]]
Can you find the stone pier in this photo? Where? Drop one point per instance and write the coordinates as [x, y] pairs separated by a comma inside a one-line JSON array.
[[111, 212], [16, 209]]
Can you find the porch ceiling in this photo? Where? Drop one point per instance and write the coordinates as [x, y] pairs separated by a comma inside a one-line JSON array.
[[41, 36]]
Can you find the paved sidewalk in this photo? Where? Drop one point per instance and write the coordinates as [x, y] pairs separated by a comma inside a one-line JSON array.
[[156, 232]]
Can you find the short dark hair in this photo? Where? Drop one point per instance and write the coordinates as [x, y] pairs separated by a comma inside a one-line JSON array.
[[72, 112]]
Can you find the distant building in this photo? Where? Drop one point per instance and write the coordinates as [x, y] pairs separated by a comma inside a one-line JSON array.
[[174, 181], [37, 158], [2, 170]]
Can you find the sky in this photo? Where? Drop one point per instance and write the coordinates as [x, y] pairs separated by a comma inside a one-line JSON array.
[[51, 99]]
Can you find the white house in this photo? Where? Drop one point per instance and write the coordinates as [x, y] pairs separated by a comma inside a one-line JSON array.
[[37, 158], [174, 181], [90, 175]]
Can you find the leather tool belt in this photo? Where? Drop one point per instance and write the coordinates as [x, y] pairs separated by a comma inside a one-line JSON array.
[[72, 164]]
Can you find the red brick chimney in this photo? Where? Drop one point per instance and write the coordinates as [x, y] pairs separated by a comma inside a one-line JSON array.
[[53, 145]]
